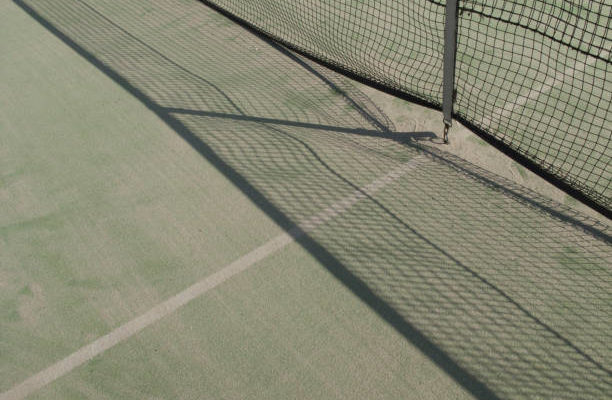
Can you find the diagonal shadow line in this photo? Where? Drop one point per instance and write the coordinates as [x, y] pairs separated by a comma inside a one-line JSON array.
[[453, 161], [404, 138], [398, 136], [157, 52], [464, 378], [371, 119], [466, 268], [363, 112]]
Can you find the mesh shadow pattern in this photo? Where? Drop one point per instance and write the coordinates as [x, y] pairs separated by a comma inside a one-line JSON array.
[[532, 77], [508, 292]]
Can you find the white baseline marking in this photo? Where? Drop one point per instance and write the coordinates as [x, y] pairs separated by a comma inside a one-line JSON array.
[[161, 310]]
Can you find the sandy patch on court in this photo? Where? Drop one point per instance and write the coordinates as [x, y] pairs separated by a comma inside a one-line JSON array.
[[408, 117]]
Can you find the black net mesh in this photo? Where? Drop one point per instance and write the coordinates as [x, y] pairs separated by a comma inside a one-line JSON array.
[[536, 75], [533, 76], [395, 44]]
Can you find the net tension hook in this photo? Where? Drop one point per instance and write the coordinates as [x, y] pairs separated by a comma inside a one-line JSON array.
[[447, 126]]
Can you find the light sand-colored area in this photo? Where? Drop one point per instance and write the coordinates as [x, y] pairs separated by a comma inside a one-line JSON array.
[[465, 144]]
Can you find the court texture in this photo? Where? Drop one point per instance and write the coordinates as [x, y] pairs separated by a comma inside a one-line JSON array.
[[188, 211]]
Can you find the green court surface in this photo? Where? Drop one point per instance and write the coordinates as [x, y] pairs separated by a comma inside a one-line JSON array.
[[149, 146]]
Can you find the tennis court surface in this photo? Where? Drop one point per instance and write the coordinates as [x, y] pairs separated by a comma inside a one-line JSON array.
[[188, 211]]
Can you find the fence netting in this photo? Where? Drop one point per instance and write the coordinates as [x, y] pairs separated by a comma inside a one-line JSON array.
[[535, 76]]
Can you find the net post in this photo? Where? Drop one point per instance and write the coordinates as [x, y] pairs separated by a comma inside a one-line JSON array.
[[450, 51]]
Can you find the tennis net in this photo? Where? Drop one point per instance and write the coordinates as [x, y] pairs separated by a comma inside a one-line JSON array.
[[531, 77]]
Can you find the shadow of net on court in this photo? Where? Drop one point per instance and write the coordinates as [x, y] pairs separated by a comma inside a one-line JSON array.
[[532, 78], [507, 291]]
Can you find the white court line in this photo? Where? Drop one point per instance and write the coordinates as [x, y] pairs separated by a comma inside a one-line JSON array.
[[545, 87], [161, 310]]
